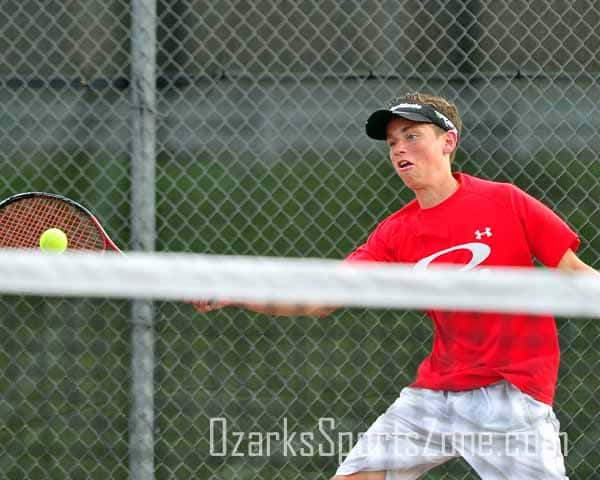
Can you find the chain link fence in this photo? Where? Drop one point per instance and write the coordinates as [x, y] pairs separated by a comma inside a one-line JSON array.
[[260, 150]]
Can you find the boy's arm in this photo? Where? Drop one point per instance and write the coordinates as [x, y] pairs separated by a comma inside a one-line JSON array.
[[572, 263]]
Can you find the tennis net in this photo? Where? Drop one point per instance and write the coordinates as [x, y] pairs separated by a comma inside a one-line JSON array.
[[300, 281], [96, 386]]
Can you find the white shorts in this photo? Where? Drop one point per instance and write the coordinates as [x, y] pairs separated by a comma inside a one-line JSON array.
[[500, 431]]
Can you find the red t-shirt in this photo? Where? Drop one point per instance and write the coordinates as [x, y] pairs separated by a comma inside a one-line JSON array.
[[482, 224]]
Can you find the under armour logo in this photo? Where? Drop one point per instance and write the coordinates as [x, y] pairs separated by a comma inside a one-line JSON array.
[[487, 232]]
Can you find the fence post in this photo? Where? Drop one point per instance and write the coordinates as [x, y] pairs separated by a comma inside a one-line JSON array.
[[143, 141]]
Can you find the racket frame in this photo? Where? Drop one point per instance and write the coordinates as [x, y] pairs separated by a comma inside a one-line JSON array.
[[108, 243]]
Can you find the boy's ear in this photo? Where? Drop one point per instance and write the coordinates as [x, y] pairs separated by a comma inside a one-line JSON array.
[[451, 142]]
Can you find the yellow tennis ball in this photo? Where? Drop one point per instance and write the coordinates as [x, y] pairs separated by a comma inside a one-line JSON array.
[[53, 240]]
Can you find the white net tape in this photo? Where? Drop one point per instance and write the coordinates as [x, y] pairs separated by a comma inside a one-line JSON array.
[[299, 281]]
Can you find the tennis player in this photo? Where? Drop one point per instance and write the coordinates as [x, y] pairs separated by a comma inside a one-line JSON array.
[[485, 392]]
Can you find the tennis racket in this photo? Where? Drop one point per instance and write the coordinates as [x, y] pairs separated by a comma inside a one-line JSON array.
[[25, 216]]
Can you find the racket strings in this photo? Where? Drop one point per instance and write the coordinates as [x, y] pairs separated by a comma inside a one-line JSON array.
[[23, 222]]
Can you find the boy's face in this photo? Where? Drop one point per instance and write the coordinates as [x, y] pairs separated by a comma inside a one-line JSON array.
[[419, 152]]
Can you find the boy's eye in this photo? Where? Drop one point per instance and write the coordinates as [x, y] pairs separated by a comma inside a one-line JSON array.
[[411, 137]]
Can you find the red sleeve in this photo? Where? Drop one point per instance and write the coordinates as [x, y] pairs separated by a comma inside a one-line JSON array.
[[549, 237], [375, 249]]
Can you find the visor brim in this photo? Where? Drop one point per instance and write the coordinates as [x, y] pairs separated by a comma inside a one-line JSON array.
[[376, 126]]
